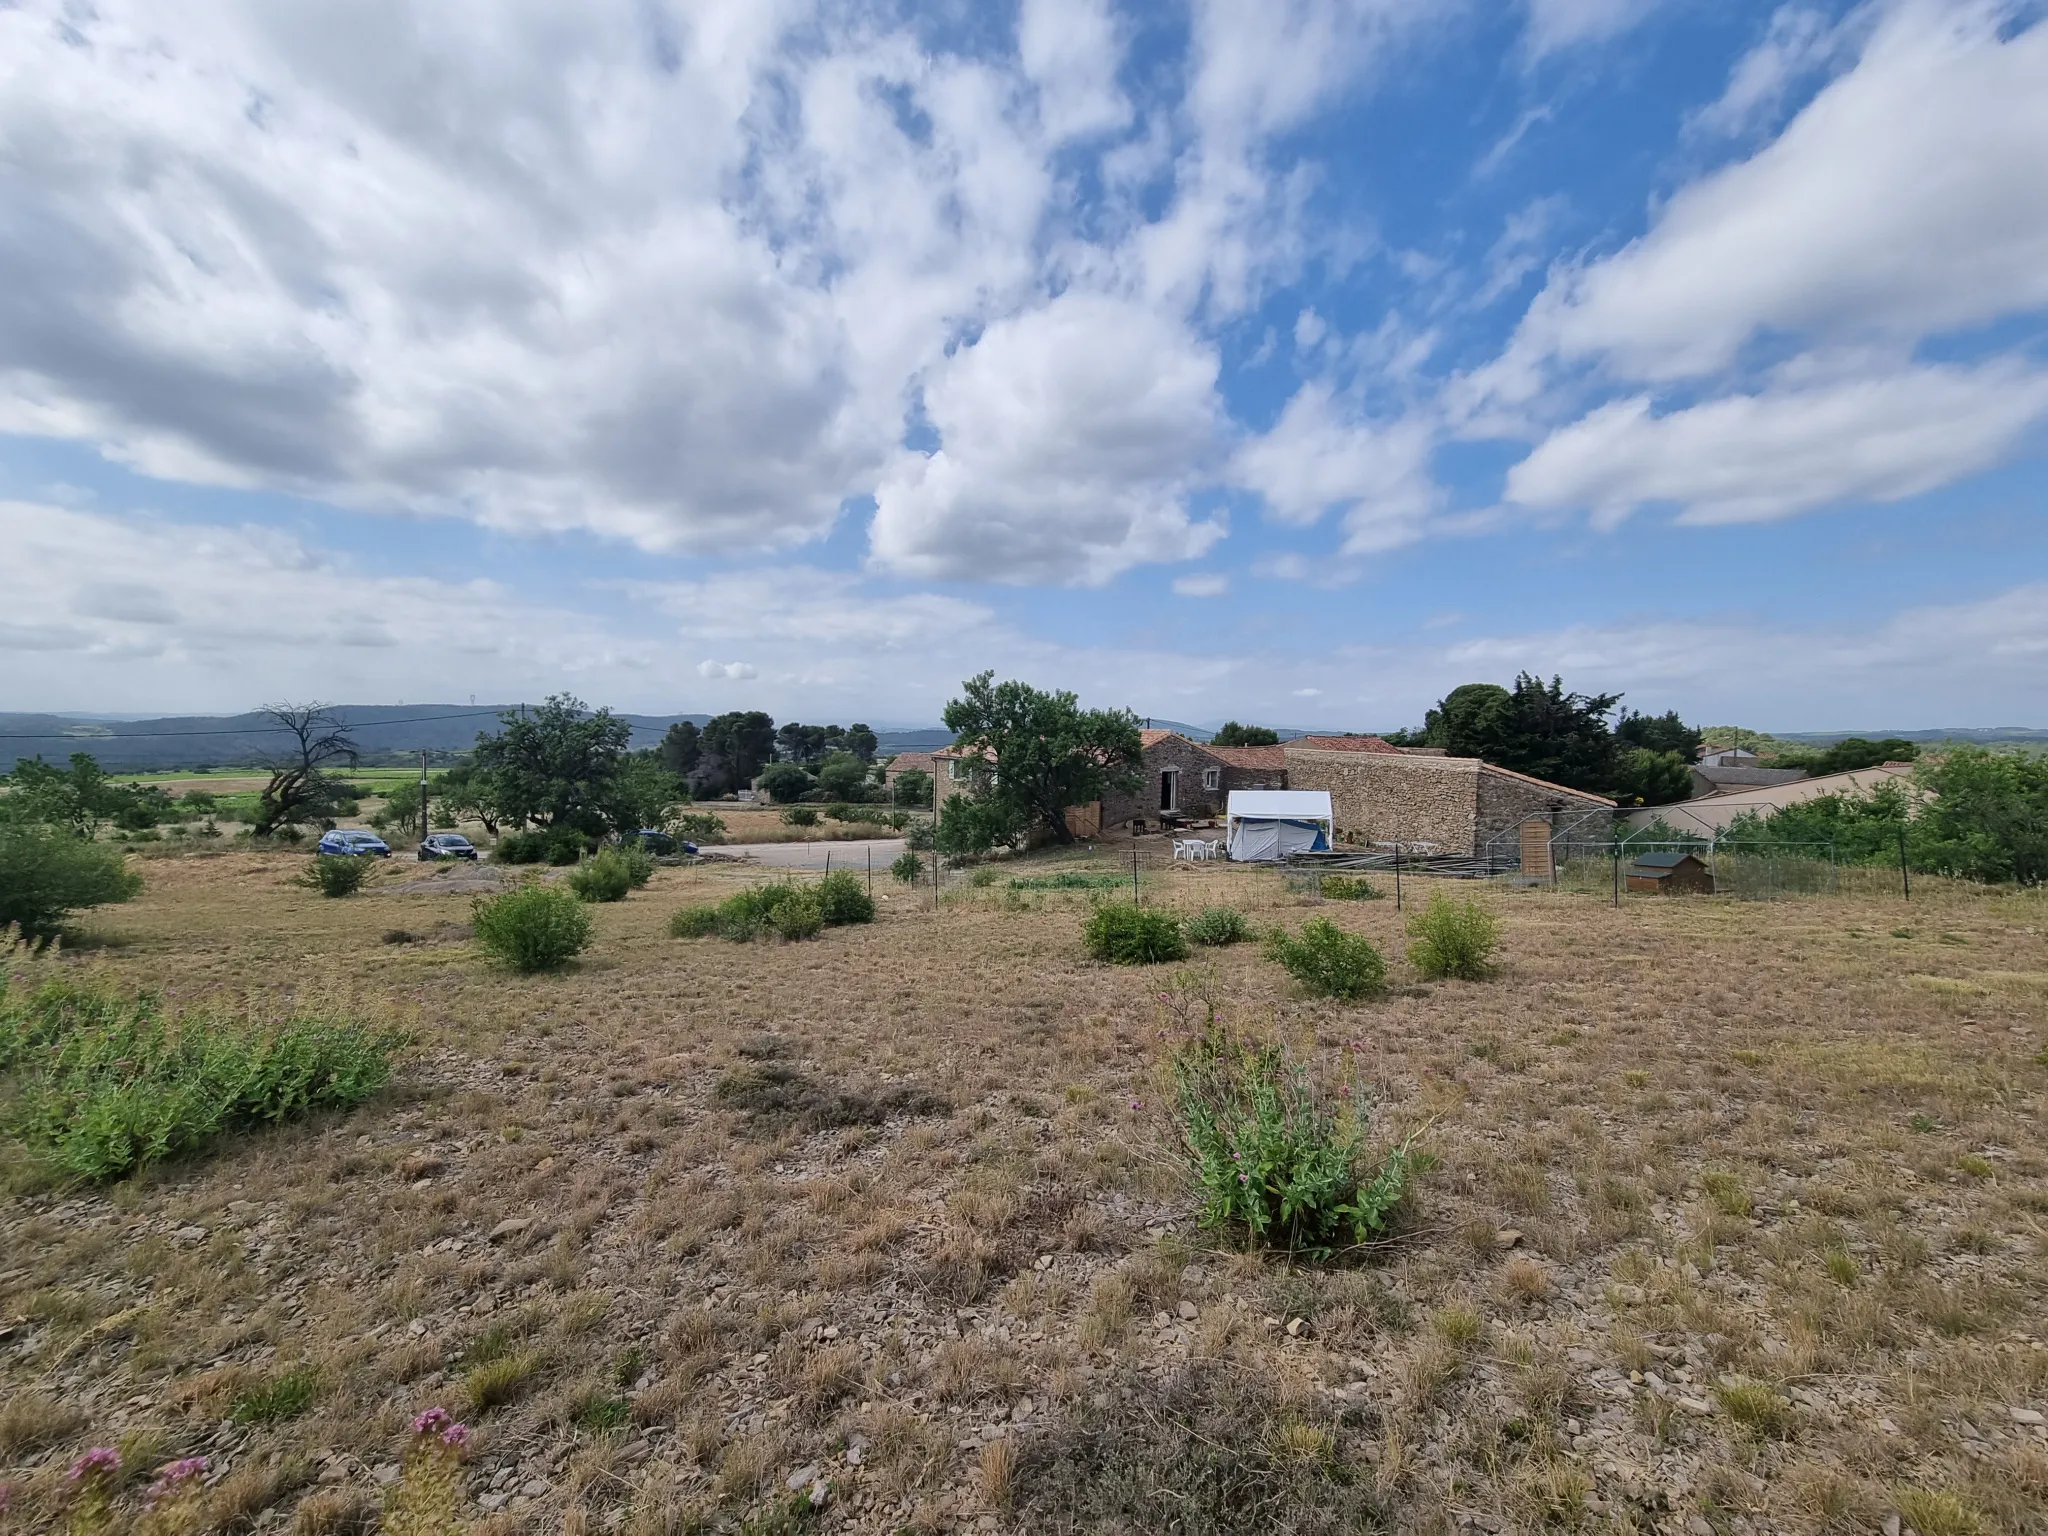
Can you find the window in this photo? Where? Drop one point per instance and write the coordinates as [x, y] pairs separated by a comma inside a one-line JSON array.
[[1212, 778], [956, 770]]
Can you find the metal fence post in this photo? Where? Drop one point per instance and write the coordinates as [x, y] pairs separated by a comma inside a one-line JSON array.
[[1905, 873], [1617, 876], [1137, 900]]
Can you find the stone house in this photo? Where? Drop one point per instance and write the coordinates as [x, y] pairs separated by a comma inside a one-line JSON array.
[[904, 762], [1455, 805], [1251, 767], [1181, 778]]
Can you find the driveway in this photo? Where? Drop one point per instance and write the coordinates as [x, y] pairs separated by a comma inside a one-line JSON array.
[[853, 855]]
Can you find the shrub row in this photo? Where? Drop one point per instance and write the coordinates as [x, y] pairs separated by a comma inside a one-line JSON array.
[[783, 908], [549, 845], [612, 873]]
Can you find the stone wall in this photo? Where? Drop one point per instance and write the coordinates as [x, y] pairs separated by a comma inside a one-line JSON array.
[[1379, 797], [1194, 800], [1506, 800]]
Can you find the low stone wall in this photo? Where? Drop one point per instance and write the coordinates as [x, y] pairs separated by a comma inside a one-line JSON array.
[[1381, 797]]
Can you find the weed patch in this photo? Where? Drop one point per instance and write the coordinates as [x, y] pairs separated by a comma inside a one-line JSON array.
[[1274, 1164], [1209, 1445], [777, 1098], [1350, 888], [104, 1084], [281, 1397]]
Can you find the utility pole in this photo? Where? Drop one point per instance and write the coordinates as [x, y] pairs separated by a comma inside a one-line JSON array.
[[423, 794]]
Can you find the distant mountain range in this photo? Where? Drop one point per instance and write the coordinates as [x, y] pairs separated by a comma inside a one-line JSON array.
[[382, 730], [392, 731]]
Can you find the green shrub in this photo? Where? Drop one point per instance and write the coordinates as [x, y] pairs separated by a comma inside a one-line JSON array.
[[842, 811], [1215, 926], [608, 877], [1327, 960], [693, 923], [1273, 1165], [46, 873], [533, 928], [896, 820], [520, 848], [908, 867], [334, 874], [921, 836], [565, 845], [1350, 888], [701, 827], [1453, 938], [842, 899], [102, 1083], [640, 864], [801, 816], [983, 878], [1125, 934], [797, 916]]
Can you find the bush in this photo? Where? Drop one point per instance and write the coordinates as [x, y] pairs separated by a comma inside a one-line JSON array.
[[896, 820], [565, 845], [799, 915], [640, 864], [701, 827], [908, 867], [104, 1083], [334, 874], [1350, 888], [783, 908], [1327, 960], [520, 848], [1125, 934], [1273, 1164], [532, 928], [693, 923], [801, 816], [842, 899], [1453, 938], [607, 877], [921, 837], [785, 782], [1215, 926], [46, 873]]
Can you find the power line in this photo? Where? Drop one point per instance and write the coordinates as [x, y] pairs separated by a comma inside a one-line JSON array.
[[250, 730]]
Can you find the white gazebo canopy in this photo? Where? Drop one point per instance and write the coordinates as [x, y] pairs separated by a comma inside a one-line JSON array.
[[1270, 824]]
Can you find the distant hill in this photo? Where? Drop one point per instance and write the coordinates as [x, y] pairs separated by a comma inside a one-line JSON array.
[[385, 731]]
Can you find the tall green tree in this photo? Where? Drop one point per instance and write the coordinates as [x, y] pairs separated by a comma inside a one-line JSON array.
[[1235, 735], [734, 748], [1985, 816], [1658, 733], [680, 748], [1536, 728], [1048, 753], [553, 766], [79, 797], [861, 741]]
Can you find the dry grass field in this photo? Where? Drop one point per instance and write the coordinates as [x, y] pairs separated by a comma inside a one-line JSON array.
[[1738, 1223]]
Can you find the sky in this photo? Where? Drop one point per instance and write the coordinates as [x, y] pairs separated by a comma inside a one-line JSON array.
[[1293, 361]]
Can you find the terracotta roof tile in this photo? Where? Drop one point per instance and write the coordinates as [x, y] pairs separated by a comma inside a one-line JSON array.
[[1251, 757], [1343, 744]]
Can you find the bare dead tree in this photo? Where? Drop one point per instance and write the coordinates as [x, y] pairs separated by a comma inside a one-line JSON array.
[[298, 787]]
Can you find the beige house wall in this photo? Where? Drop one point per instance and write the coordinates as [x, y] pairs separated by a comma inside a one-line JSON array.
[[1506, 800]]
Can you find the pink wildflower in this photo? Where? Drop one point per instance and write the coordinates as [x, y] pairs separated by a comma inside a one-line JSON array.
[[172, 1477], [456, 1437], [431, 1422], [100, 1461]]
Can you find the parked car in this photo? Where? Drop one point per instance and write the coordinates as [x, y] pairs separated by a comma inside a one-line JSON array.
[[351, 842], [446, 845], [653, 839]]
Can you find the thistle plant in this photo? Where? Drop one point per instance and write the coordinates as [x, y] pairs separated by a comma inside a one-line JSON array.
[[426, 1498], [91, 1484], [171, 1503]]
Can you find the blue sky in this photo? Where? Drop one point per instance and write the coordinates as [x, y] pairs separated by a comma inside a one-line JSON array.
[[1293, 362]]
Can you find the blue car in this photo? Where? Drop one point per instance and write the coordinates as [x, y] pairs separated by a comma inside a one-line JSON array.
[[352, 843], [446, 845]]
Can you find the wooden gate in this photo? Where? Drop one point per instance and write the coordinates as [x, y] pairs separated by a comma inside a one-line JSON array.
[[1536, 863]]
